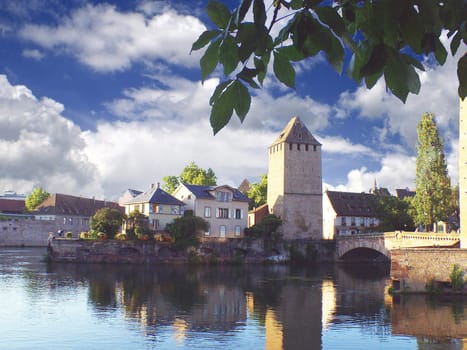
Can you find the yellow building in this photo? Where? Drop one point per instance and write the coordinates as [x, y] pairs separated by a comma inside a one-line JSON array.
[[295, 181]]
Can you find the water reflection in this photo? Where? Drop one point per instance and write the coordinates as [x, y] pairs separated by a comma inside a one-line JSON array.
[[254, 307]]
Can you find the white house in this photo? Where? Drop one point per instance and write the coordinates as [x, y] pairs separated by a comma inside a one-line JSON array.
[[225, 208], [348, 213], [157, 205]]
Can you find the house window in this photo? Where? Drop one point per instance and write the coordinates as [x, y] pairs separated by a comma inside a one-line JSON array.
[[298, 147], [352, 222], [343, 223], [223, 196], [290, 146], [238, 214], [238, 230], [208, 230], [222, 230], [207, 212], [306, 147], [314, 148], [159, 208], [156, 224], [222, 213], [174, 210], [70, 221], [136, 208]]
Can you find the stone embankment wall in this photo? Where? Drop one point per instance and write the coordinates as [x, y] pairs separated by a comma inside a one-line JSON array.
[[233, 250], [15, 232], [412, 269]]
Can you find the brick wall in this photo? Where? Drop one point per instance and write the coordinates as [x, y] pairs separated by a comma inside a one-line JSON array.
[[414, 268]]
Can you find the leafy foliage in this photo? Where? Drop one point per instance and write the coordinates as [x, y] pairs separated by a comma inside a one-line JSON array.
[[257, 194], [457, 277], [36, 197], [433, 198], [107, 220], [387, 38], [136, 224], [268, 228], [185, 230], [393, 212], [191, 174]]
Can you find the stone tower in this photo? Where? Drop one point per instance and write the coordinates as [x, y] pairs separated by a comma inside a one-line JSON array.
[[295, 182], [463, 172]]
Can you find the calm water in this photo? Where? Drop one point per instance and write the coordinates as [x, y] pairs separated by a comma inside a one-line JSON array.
[[68, 306]]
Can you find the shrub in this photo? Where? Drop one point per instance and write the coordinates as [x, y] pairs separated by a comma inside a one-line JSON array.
[[69, 234], [102, 236], [84, 235], [121, 237], [457, 277]]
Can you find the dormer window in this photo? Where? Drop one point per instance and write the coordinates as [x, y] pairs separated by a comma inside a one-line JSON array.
[[223, 196]]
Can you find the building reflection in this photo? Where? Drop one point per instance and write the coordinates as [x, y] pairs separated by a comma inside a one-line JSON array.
[[435, 321], [291, 308]]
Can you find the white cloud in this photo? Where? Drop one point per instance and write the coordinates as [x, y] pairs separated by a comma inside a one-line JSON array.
[[333, 144], [135, 154], [39, 146], [35, 54], [105, 39], [438, 95], [397, 171]]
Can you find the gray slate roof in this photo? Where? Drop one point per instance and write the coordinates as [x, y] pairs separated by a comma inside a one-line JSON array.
[[156, 195], [353, 204], [203, 192]]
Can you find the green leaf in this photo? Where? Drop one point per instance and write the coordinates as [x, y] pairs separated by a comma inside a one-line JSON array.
[[259, 13], [462, 75], [228, 54], [242, 99], [440, 51], [204, 39], [413, 61], [219, 89], [371, 80], [218, 13], [222, 110], [242, 11], [283, 69], [400, 76], [455, 42], [329, 16], [246, 37], [262, 72], [247, 76], [210, 59], [376, 61], [291, 53]]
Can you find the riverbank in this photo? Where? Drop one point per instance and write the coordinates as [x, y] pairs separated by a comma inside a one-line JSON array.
[[229, 251]]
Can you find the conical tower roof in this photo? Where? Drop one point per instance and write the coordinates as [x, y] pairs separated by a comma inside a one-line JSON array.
[[296, 132]]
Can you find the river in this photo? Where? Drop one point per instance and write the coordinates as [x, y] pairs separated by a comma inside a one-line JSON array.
[[86, 306]]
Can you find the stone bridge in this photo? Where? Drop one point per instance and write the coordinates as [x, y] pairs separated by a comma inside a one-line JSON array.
[[384, 242]]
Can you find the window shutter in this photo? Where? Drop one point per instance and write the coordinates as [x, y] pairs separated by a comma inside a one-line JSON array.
[[241, 213], [217, 212]]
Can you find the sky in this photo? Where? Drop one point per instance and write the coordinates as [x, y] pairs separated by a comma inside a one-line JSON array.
[[100, 96]]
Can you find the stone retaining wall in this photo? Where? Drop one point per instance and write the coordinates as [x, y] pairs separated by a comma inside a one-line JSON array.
[[15, 232], [412, 269]]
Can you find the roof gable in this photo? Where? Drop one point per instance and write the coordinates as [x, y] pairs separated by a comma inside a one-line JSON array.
[[156, 195], [205, 192], [296, 132]]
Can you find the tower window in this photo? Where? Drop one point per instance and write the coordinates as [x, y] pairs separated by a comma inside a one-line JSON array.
[[314, 148], [290, 146], [298, 147], [306, 147]]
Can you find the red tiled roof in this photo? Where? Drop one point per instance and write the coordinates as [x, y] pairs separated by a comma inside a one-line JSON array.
[[13, 206], [63, 204]]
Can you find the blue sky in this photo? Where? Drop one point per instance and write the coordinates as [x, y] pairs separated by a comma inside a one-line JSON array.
[[100, 96]]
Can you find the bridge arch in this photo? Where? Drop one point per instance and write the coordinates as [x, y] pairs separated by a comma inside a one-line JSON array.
[[369, 246]]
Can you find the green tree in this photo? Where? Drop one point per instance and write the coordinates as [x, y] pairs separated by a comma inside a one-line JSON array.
[[258, 192], [191, 174], [433, 194], [389, 38], [107, 220], [185, 230], [136, 223], [36, 197], [393, 212], [170, 183]]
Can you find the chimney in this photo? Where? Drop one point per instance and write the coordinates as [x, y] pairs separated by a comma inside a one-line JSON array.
[[152, 185], [158, 185]]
